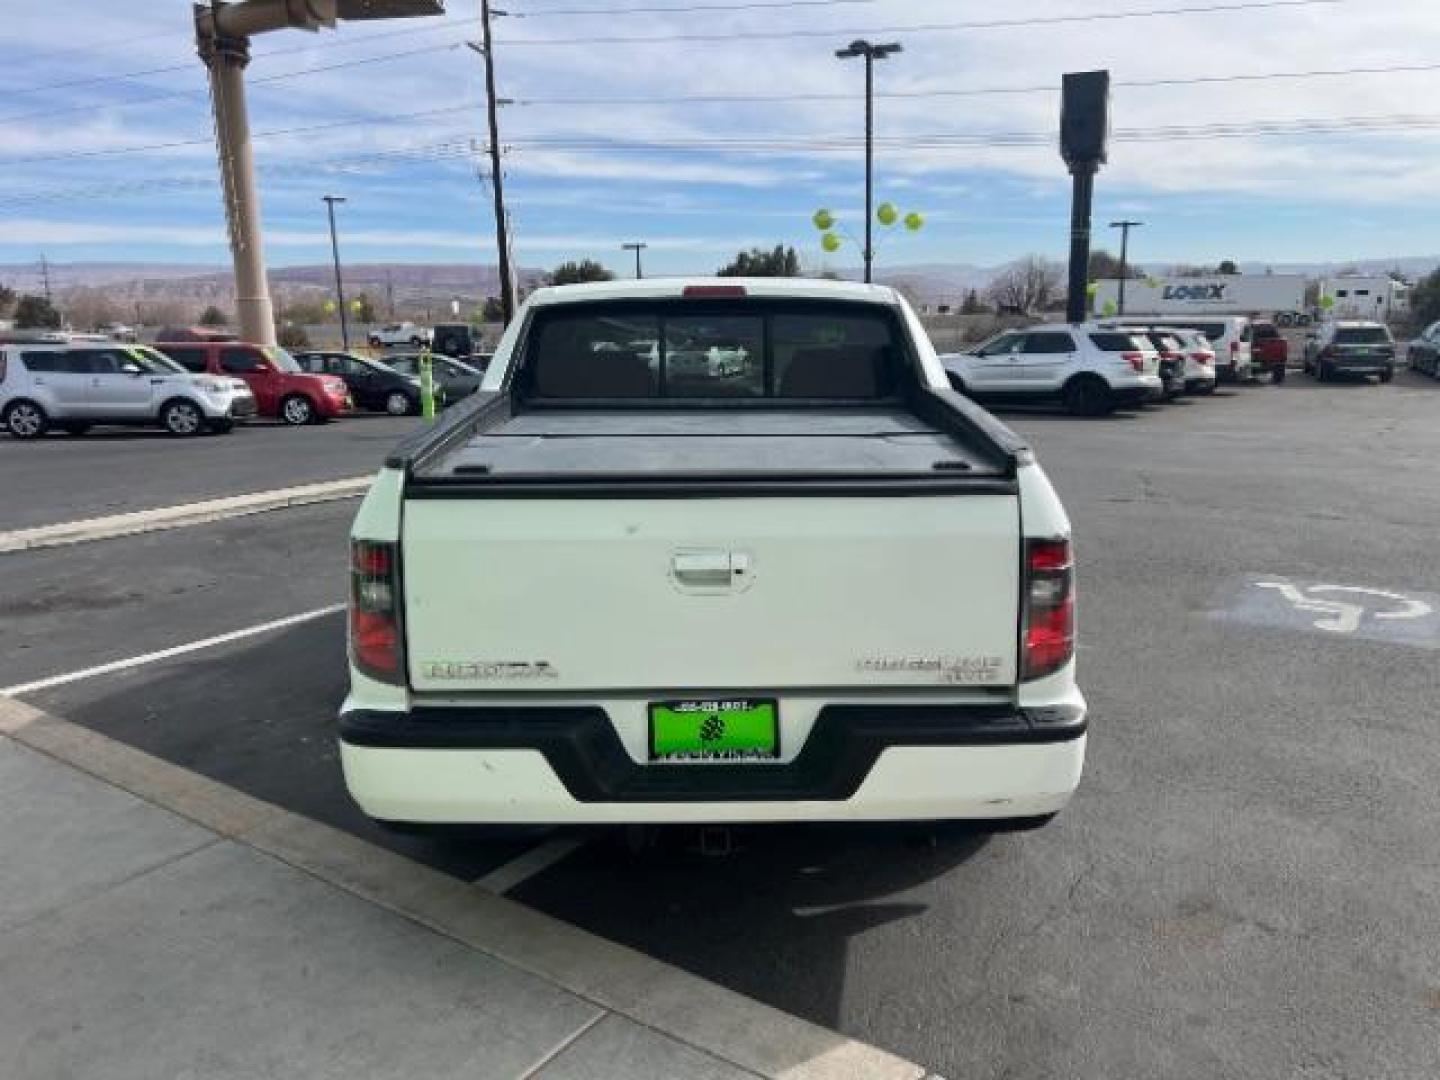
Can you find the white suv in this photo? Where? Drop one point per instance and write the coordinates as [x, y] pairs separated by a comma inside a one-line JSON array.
[[1089, 369], [74, 387], [405, 333]]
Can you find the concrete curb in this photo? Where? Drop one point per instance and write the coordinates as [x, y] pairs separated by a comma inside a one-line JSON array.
[[179, 517], [684, 1007]]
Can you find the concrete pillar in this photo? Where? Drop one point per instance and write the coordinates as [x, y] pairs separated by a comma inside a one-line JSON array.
[[226, 58]]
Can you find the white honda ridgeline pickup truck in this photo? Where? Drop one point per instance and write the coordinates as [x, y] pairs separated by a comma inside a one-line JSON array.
[[713, 551]]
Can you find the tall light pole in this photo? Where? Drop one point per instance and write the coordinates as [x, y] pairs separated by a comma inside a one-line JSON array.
[[486, 48], [637, 248], [330, 201], [871, 53], [222, 38], [1124, 227]]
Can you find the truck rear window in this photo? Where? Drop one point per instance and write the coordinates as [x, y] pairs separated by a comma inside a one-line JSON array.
[[673, 350]]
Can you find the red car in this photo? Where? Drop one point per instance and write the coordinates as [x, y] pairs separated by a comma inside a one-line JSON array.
[[1269, 351], [282, 390]]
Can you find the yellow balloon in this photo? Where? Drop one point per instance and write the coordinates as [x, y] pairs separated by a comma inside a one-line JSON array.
[[888, 214], [824, 220], [329, 307], [356, 305], [914, 221], [830, 242]]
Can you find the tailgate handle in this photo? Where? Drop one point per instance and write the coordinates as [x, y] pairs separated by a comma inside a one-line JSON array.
[[709, 569]]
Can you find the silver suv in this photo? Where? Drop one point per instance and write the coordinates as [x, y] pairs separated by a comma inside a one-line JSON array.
[[74, 387]]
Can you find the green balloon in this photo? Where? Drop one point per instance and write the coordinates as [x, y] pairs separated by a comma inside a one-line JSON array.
[[914, 221], [1110, 308], [888, 214], [1327, 302], [830, 242], [1091, 289], [824, 220]]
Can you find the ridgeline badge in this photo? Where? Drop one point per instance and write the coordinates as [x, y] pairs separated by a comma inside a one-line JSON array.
[[489, 670]]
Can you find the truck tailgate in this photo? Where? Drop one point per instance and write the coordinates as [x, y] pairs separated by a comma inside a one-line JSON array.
[[748, 593]]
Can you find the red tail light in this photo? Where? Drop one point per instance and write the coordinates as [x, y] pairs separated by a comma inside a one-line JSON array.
[[1049, 616], [1202, 358], [1135, 360], [375, 640], [713, 292], [1234, 348]]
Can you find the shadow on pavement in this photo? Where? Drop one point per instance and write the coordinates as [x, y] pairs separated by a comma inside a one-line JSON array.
[[772, 918]]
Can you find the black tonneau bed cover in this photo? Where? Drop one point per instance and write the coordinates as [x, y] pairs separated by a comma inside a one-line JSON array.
[[684, 443]]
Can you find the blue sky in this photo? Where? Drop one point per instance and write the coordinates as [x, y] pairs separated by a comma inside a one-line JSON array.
[[71, 94]]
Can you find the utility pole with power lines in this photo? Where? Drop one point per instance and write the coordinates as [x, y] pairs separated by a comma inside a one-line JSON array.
[[486, 48]]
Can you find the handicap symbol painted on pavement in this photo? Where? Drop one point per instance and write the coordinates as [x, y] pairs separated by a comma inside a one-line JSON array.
[[1343, 618], [1358, 611]]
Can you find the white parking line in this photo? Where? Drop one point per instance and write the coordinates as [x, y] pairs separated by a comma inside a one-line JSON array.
[[182, 516], [535, 861], [170, 653]]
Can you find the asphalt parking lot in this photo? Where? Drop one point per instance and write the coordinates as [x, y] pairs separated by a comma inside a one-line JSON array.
[[1245, 885]]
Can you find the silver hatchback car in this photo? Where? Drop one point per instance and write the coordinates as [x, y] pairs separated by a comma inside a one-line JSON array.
[[73, 387]]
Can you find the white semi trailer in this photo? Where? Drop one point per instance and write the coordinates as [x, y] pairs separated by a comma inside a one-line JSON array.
[[1277, 296]]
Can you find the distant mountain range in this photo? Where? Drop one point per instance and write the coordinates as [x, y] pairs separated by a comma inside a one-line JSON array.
[[130, 286]]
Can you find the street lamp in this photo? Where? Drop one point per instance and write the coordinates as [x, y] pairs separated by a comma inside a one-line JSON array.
[[871, 53], [222, 38], [1124, 227], [637, 248], [330, 201]]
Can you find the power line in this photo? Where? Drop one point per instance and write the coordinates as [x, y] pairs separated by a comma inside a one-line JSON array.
[[1238, 129], [928, 28], [111, 151], [995, 24], [979, 91], [686, 9], [257, 80], [466, 148]]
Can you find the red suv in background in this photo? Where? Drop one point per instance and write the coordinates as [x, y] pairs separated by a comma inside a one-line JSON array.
[[1269, 351], [281, 388]]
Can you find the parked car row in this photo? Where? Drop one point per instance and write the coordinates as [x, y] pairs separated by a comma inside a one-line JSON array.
[[1090, 368], [74, 387], [204, 384], [1093, 368]]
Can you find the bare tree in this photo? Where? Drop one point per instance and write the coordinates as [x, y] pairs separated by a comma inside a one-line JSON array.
[[89, 309], [1031, 284]]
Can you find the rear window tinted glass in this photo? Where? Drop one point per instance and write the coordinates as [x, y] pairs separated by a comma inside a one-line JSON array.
[[714, 356], [678, 351], [1264, 331], [1114, 341], [1362, 335]]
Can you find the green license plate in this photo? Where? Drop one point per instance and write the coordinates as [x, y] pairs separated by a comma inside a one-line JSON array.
[[715, 730]]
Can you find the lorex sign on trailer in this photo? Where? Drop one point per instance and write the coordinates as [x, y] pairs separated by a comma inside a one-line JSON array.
[[1226, 294]]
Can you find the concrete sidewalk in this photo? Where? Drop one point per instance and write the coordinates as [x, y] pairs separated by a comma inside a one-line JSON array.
[[155, 924]]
